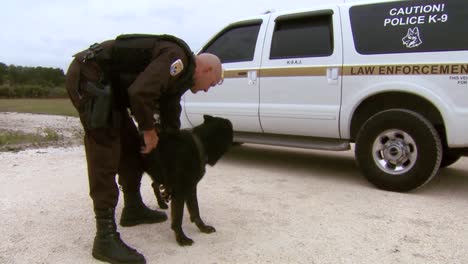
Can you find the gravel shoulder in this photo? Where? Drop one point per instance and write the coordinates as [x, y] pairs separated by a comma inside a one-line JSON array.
[[67, 128], [268, 204]]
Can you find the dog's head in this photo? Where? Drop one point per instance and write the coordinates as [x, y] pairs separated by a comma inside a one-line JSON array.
[[412, 38], [216, 136]]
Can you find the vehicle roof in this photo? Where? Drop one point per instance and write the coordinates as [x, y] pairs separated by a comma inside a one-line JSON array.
[[315, 7]]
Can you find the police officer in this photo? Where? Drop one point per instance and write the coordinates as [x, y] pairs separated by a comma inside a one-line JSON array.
[[143, 75]]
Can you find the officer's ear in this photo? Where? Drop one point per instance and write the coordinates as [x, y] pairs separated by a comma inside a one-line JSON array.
[[208, 69]]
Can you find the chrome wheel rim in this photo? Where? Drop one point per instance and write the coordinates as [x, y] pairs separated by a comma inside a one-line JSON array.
[[394, 151]]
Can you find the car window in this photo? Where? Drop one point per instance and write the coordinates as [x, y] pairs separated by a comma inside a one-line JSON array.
[[410, 26], [302, 37], [235, 44]]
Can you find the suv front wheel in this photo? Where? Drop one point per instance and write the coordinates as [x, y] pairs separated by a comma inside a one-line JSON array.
[[398, 150], [449, 158]]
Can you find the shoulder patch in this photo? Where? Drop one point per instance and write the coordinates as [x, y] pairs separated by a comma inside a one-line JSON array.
[[176, 67]]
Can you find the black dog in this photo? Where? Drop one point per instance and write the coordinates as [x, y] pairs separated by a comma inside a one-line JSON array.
[[178, 164]]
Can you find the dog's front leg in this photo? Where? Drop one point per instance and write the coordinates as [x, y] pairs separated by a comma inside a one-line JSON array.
[[162, 204], [192, 205], [177, 214]]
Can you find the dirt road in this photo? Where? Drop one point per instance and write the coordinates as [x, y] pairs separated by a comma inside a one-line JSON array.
[[268, 204]]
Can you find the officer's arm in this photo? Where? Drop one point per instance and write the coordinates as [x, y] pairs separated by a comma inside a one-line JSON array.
[[170, 113], [146, 90]]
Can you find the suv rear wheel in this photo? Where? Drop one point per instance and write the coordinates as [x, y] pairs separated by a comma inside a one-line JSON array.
[[398, 150]]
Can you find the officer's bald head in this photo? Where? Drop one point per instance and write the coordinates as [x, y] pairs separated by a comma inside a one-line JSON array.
[[208, 72]]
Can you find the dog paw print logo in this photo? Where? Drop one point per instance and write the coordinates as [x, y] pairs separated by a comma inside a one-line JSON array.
[[412, 38]]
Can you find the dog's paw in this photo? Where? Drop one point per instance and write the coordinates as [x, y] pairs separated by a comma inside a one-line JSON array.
[[184, 241], [207, 229]]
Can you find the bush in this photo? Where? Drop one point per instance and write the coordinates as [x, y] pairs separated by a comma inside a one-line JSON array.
[[5, 91], [32, 91], [58, 92], [31, 82]]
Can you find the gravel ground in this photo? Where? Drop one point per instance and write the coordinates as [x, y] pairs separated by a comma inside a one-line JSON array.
[[268, 204], [67, 128]]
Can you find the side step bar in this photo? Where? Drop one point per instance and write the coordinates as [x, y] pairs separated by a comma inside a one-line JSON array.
[[293, 141]]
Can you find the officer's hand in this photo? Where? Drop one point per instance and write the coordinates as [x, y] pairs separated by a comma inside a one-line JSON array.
[[151, 141]]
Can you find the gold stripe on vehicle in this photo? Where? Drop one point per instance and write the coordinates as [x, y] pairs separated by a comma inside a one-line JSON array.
[[237, 73], [296, 71], [355, 70], [278, 72]]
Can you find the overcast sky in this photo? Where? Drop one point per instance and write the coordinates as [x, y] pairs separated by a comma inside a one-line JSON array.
[[48, 32]]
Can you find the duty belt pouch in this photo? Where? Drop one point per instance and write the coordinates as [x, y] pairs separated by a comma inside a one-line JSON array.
[[99, 106]]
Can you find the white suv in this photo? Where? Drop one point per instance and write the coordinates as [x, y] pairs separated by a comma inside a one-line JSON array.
[[390, 77]]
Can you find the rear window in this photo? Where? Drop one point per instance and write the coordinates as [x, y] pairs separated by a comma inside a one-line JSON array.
[[302, 37], [410, 26]]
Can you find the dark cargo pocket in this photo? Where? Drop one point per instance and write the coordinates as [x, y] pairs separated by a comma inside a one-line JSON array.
[[98, 107]]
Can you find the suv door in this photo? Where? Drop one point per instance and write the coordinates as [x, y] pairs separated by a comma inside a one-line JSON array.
[[239, 47], [300, 77]]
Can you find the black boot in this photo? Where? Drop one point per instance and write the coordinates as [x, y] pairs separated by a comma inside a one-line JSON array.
[[107, 244], [135, 211]]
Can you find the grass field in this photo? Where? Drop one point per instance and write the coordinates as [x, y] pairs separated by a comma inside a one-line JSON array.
[[61, 106]]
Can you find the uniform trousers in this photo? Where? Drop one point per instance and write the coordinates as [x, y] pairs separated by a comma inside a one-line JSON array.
[[110, 151]]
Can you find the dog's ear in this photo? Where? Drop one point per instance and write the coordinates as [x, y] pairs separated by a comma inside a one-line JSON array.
[[207, 118]]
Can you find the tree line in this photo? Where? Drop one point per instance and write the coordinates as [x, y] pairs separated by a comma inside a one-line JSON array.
[[31, 82]]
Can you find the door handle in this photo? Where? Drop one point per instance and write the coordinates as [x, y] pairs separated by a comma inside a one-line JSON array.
[[333, 75], [252, 77]]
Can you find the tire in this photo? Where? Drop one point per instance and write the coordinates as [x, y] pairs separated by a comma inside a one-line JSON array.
[[398, 150], [449, 158]]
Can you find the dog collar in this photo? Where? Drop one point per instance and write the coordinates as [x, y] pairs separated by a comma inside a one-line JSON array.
[[165, 193]]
